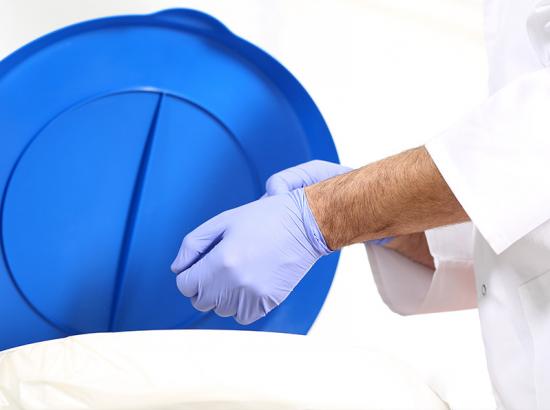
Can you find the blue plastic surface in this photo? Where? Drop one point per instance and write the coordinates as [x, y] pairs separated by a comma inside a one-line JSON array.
[[117, 137]]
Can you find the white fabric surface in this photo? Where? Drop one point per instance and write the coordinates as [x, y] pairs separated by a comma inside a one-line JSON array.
[[409, 288], [497, 161], [203, 369]]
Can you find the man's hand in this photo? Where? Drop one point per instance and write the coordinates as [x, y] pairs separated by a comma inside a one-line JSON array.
[[245, 261]]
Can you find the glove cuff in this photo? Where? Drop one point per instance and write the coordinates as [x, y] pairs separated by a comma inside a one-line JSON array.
[[311, 228]]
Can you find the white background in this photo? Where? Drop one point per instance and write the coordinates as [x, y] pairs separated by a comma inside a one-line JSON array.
[[387, 75]]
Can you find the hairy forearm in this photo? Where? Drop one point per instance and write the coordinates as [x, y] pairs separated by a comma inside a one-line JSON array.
[[396, 196]]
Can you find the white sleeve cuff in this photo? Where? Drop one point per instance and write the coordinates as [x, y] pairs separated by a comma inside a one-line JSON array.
[[411, 288]]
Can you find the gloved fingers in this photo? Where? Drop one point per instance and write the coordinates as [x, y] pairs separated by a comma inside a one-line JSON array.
[[191, 281], [325, 169], [286, 180], [303, 175], [225, 310], [227, 302], [203, 302], [188, 284], [251, 309], [198, 243]]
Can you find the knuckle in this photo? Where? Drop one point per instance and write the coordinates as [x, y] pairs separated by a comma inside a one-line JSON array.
[[201, 305], [222, 312], [182, 286], [271, 180]]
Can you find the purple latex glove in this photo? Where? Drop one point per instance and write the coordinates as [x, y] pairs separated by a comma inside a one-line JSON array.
[[306, 174], [303, 175], [246, 261]]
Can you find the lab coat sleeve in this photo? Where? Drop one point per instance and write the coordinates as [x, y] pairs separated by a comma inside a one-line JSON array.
[[497, 160], [411, 288]]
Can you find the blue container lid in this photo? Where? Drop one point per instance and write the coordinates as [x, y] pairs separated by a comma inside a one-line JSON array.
[[118, 137]]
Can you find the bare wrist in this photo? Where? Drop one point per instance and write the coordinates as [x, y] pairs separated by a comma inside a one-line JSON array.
[[315, 202]]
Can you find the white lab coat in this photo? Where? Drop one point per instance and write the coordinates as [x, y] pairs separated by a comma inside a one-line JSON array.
[[496, 161]]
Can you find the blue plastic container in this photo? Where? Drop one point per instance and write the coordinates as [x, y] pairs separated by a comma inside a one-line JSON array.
[[117, 137]]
